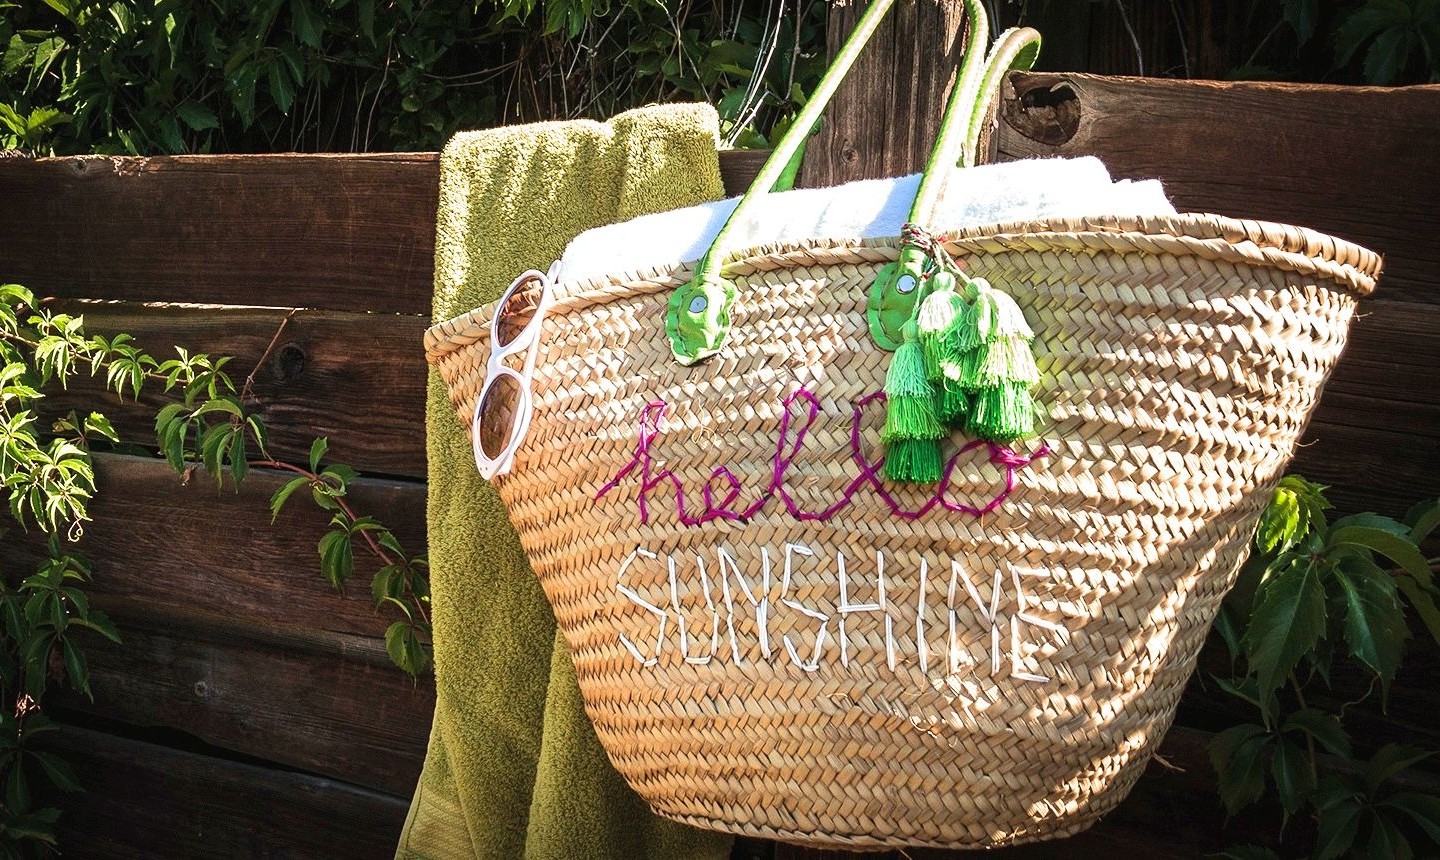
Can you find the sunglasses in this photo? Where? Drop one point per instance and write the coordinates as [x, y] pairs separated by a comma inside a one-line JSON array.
[[502, 411]]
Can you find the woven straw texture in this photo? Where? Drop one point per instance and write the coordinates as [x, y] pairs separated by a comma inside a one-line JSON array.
[[1016, 693]]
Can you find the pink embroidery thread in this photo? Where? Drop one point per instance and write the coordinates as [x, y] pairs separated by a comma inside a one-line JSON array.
[[649, 427]]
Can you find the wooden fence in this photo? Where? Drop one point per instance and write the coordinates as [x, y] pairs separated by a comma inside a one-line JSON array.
[[252, 710]]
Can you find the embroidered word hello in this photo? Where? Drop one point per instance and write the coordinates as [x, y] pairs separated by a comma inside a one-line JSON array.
[[720, 592], [790, 443]]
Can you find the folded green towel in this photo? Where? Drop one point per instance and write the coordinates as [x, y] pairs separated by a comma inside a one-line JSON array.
[[514, 768]]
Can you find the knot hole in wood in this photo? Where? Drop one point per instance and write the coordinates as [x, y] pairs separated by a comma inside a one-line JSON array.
[[289, 362], [1045, 110]]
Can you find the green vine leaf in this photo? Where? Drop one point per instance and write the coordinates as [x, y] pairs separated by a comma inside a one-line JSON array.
[[405, 649], [1245, 689], [1386, 841], [317, 452], [77, 667], [1294, 780], [1423, 809], [1324, 728], [1288, 620], [282, 495], [1423, 518], [337, 556], [1374, 625], [1422, 601], [57, 771], [1239, 755], [1297, 507], [1389, 761], [1337, 831], [100, 425], [1394, 545], [389, 582]]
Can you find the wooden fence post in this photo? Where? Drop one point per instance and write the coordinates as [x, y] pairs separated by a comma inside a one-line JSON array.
[[884, 117]]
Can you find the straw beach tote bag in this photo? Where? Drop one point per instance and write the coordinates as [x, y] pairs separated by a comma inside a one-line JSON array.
[[798, 610]]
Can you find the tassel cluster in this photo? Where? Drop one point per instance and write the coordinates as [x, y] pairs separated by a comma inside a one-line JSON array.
[[912, 431], [965, 363], [996, 366]]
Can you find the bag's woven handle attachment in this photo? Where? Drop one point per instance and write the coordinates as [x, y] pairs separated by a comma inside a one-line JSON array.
[[698, 313]]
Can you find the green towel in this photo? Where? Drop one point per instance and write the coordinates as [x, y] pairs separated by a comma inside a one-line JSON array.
[[514, 768]]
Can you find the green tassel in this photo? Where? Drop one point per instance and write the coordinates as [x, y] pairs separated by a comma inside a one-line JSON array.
[[909, 396], [993, 315], [937, 316], [1004, 413], [994, 365], [1007, 359], [914, 461], [954, 402], [912, 431]]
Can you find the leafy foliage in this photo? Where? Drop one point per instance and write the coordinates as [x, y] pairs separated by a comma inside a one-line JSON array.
[[1400, 34], [161, 76], [48, 475], [1380, 42], [1312, 590]]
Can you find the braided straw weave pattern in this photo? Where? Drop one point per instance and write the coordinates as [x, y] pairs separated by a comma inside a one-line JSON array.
[[1181, 358]]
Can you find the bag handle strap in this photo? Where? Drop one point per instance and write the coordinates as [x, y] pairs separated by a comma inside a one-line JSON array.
[[697, 318], [898, 286], [698, 313]]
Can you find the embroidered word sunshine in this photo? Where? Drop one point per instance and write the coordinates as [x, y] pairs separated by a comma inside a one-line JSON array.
[[742, 611]]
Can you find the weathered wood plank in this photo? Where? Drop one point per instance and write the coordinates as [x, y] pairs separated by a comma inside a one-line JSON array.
[[145, 801], [885, 115], [351, 232], [332, 704], [356, 379], [337, 232], [1357, 162], [1373, 437], [191, 547]]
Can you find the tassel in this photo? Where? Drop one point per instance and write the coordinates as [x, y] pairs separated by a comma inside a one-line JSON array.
[[954, 402], [937, 316], [995, 366], [993, 315], [1004, 360], [912, 431], [1005, 413], [914, 461]]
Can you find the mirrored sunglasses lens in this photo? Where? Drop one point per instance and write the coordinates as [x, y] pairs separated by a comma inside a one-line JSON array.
[[516, 311], [499, 407]]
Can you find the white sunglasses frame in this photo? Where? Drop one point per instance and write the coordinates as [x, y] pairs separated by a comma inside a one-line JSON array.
[[495, 368]]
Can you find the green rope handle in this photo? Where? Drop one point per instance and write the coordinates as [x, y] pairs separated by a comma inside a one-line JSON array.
[[962, 352], [698, 314], [949, 143], [1017, 48], [898, 288]]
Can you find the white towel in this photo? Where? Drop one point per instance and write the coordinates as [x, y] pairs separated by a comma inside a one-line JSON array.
[[1012, 191]]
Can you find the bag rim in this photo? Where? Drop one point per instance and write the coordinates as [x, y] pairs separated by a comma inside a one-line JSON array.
[[1217, 237]]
